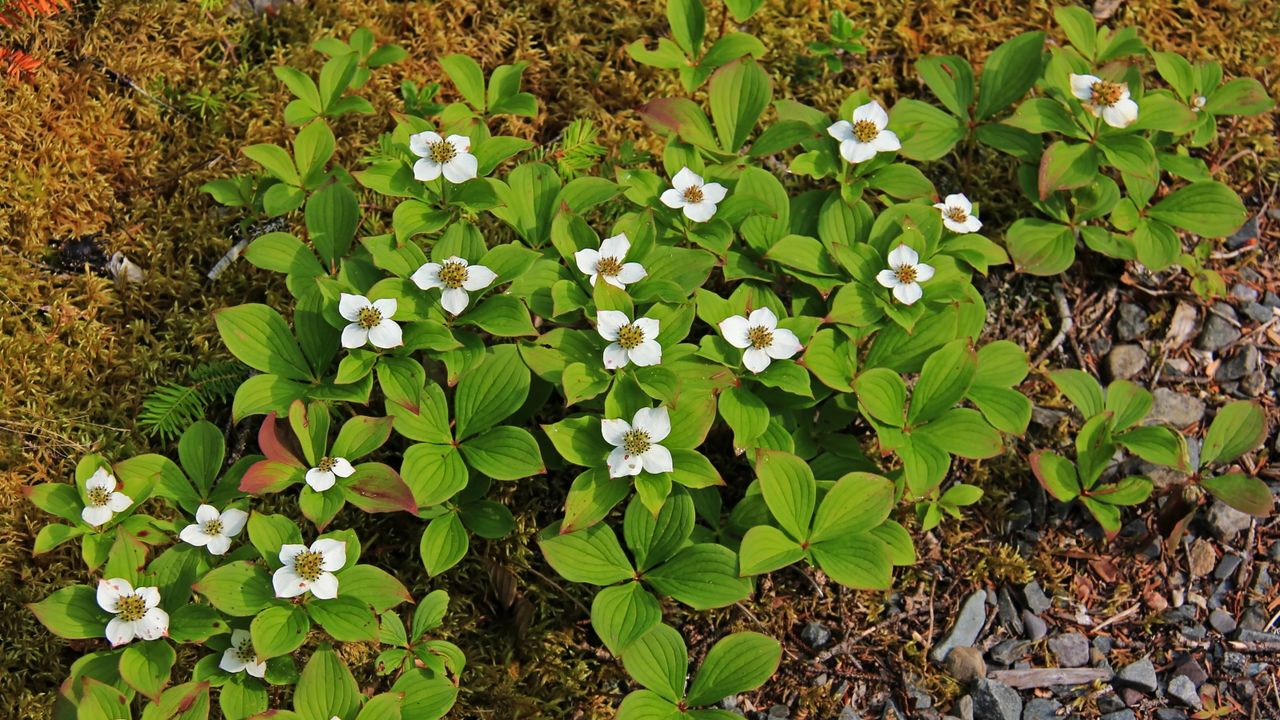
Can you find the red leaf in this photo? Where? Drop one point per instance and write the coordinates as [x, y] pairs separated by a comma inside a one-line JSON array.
[[277, 442], [377, 488], [269, 476]]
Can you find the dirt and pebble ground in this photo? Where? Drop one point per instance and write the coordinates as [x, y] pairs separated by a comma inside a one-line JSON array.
[[139, 102]]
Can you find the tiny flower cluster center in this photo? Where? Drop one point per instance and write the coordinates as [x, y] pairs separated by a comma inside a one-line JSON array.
[[131, 607], [956, 214], [1107, 93], [905, 273], [443, 151], [369, 317], [326, 464], [636, 442], [308, 565], [244, 651], [760, 337], [99, 496], [453, 274], [609, 266], [693, 194], [865, 131], [213, 527], [630, 336]]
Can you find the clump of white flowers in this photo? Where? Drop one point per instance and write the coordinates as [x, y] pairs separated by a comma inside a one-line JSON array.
[[369, 322], [454, 278], [760, 338], [905, 274], [102, 502], [137, 612], [695, 198], [449, 156], [607, 263], [213, 530], [861, 139], [1105, 99], [636, 445], [629, 341], [957, 214], [240, 657], [310, 569], [327, 471]]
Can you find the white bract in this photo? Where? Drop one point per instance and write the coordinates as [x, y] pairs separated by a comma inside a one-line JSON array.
[[861, 139], [137, 612], [454, 278], [102, 501], [905, 274], [760, 338], [629, 341], [636, 445], [957, 214], [214, 530], [310, 569], [607, 262], [1198, 103], [449, 156], [690, 194], [327, 471], [370, 322], [1105, 99], [240, 657]]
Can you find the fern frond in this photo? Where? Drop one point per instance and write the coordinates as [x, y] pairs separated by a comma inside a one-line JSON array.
[[171, 408], [576, 151]]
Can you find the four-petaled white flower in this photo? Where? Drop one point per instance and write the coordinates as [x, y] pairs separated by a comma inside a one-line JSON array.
[[137, 612], [629, 341], [102, 501], [369, 322], [636, 445], [861, 139], [214, 530], [327, 471], [905, 274], [240, 657], [1197, 104], [760, 338], [449, 156], [957, 214], [455, 278], [1105, 99], [690, 194], [310, 569], [607, 262]]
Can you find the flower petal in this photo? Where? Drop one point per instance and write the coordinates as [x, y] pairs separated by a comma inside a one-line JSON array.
[[354, 336], [233, 521], [1082, 86], [219, 545], [654, 421], [886, 141], [334, 552], [873, 112], [623, 465], [615, 356], [615, 247], [320, 480], [461, 143], [119, 632], [908, 293], [342, 467], [953, 226], [386, 307], [420, 144], [972, 224], [609, 322], [110, 592], [700, 212], [118, 502], [426, 170], [386, 334], [231, 661], [888, 278], [194, 535], [672, 198], [349, 306], [656, 459], [256, 669], [903, 255], [153, 625], [289, 552], [856, 152], [762, 317], [288, 583], [686, 179], [756, 359], [461, 169], [150, 596], [924, 272], [1120, 115], [479, 277], [426, 277], [101, 480], [841, 130], [96, 515], [614, 429], [649, 326], [646, 353], [454, 300], [631, 272], [958, 200], [587, 259], [714, 192], [785, 344], [325, 587], [734, 329], [207, 514]]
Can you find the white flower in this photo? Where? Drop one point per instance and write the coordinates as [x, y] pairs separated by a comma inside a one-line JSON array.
[[102, 501], [607, 263], [137, 612], [214, 530], [450, 156], [636, 445], [1197, 104], [865, 136], [455, 279], [327, 471], [760, 337], [369, 322], [957, 214], [240, 657], [311, 569], [630, 341], [1105, 99], [905, 274], [697, 199]]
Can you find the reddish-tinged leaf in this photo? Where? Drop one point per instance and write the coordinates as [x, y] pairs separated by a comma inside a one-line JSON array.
[[276, 440], [1246, 494], [269, 476], [378, 488]]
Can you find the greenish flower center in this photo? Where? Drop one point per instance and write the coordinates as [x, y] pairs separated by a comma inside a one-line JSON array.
[[906, 273], [453, 274], [760, 337], [369, 317], [244, 651], [443, 151], [326, 464], [693, 194], [1107, 93], [865, 131], [213, 527], [630, 336], [99, 496], [131, 607], [308, 565], [636, 442], [608, 266]]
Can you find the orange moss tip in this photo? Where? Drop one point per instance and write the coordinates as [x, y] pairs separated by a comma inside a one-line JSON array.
[[17, 64], [13, 12]]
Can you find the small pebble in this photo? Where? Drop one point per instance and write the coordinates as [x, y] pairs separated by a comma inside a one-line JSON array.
[[1222, 621], [1181, 688]]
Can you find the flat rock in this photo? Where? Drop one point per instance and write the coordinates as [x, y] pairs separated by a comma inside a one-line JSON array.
[[1175, 408], [1070, 650], [1170, 714], [1035, 627], [1218, 332], [1008, 652], [1125, 362], [1226, 521], [1041, 709], [1182, 689], [816, 635], [1246, 360], [1131, 322], [1140, 675], [1120, 715], [993, 700], [965, 664], [973, 615], [1222, 621], [1036, 599]]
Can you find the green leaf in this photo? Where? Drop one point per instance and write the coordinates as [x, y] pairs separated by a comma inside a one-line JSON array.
[[591, 497], [860, 562], [1065, 166], [963, 432], [501, 315], [1043, 115], [284, 253], [648, 705], [951, 79], [857, 503], [702, 576], [623, 613], [1041, 247], [927, 133], [279, 630], [1158, 444], [882, 394], [1156, 244], [688, 23], [654, 537], [260, 338], [443, 544], [765, 549], [591, 555], [490, 392], [944, 380], [1056, 474], [1205, 208], [739, 93], [1078, 24], [1238, 428], [71, 612], [468, 78], [239, 589], [1241, 96], [1246, 494], [902, 181], [504, 453], [300, 85], [312, 148], [745, 413], [659, 661], [789, 489], [326, 689], [374, 586], [274, 160], [345, 618], [426, 697], [1009, 73], [332, 216], [738, 663], [1081, 389], [1128, 403], [578, 440]]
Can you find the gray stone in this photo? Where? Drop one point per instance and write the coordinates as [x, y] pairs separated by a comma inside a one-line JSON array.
[[1258, 312], [1251, 385], [1262, 581], [1234, 663], [1070, 650], [966, 664], [1243, 236], [1041, 709], [1226, 566], [1140, 675], [780, 711], [1243, 292], [1034, 626], [816, 635], [973, 615], [1273, 552], [1120, 715], [1226, 521], [996, 701], [1246, 360], [1218, 332], [1190, 668], [1194, 633], [1103, 644], [1175, 408], [1131, 322], [1035, 597], [848, 713], [1008, 652], [1222, 621], [1109, 702], [964, 706], [1181, 688], [1253, 619], [1170, 714], [1126, 361], [1007, 612]]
